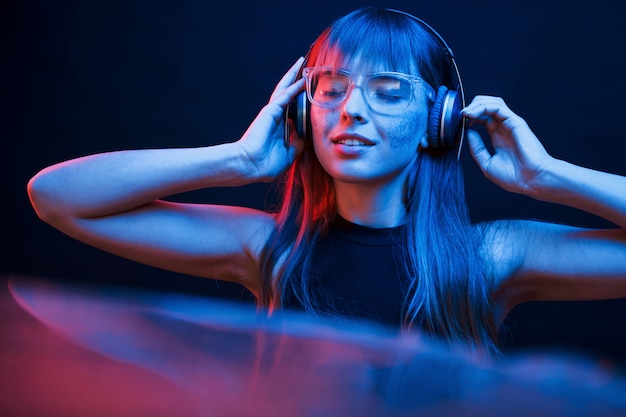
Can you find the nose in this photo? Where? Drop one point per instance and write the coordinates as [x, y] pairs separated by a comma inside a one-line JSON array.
[[355, 107]]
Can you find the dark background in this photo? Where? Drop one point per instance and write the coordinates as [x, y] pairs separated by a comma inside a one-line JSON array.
[[80, 77]]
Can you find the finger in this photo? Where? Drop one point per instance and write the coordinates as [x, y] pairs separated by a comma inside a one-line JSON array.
[[477, 120], [482, 100], [478, 150], [483, 108], [289, 77], [283, 97]]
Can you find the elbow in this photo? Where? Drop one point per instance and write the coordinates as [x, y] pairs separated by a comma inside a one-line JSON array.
[[39, 196]]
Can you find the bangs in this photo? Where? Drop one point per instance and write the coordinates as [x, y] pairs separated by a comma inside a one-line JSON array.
[[378, 40]]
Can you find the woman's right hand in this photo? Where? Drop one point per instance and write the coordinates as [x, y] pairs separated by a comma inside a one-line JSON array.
[[262, 145]]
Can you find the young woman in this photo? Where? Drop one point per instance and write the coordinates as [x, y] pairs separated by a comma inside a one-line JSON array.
[[373, 222]]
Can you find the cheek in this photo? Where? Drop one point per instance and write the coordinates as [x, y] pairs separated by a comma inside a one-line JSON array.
[[322, 120], [407, 133]]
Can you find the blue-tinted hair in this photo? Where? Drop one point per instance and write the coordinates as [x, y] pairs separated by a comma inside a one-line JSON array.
[[448, 295]]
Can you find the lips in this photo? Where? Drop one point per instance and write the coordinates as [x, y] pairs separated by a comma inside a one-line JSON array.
[[351, 140]]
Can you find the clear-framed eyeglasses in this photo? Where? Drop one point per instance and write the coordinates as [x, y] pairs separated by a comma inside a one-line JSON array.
[[385, 92]]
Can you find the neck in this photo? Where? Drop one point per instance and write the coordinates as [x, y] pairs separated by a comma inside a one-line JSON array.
[[373, 205]]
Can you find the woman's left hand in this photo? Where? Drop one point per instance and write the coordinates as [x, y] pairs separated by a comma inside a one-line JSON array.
[[518, 158]]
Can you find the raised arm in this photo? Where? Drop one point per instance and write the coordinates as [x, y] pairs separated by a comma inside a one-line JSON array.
[[113, 200], [520, 164], [540, 261]]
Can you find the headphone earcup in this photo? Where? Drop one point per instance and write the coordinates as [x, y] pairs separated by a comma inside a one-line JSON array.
[[297, 117], [444, 119], [302, 121], [434, 118]]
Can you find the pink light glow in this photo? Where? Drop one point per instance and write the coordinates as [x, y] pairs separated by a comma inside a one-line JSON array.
[[70, 351]]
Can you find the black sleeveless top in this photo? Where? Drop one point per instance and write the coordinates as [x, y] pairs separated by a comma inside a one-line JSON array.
[[357, 272]]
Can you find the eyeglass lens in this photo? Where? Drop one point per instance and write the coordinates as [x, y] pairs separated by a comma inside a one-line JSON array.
[[384, 92]]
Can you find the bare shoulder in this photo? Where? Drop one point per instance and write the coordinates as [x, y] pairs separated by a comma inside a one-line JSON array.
[[529, 260], [498, 242], [505, 246]]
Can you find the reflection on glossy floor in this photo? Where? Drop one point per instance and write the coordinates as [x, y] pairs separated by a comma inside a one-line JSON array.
[[71, 351]]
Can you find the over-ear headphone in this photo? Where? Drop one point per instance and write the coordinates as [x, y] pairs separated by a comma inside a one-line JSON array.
[[446, 126]]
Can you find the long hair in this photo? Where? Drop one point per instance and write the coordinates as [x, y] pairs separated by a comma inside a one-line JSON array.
[[448, 295]]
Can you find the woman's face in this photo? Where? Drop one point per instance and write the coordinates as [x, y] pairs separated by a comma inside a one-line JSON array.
[[355, 144]]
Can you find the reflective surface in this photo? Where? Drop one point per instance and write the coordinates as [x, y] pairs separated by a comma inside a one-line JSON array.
[[107, 351]]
